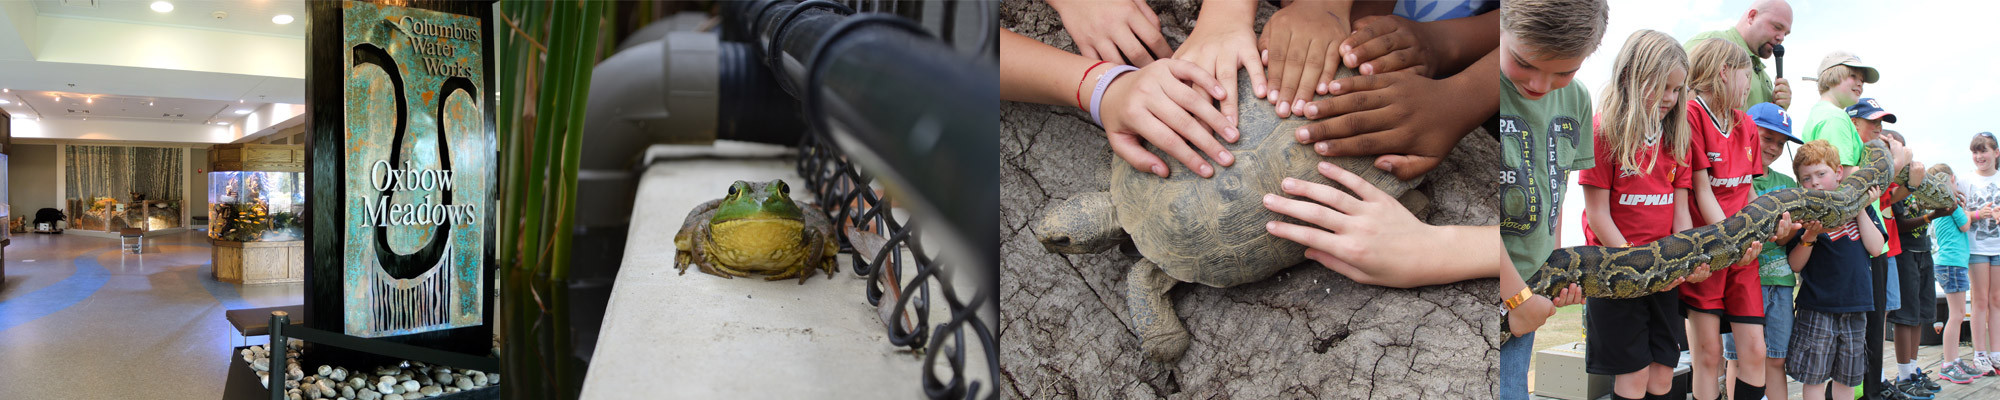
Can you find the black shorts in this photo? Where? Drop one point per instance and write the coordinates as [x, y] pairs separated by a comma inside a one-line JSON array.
[[1919, 297], [1626, 335]]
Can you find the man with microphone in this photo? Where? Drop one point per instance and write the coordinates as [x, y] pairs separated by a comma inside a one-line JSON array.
[[1761, 31]]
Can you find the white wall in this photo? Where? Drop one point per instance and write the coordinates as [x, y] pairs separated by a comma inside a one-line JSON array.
[[84, 41], [122, 131]]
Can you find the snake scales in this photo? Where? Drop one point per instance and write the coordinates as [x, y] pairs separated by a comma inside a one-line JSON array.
[[1620, 273]]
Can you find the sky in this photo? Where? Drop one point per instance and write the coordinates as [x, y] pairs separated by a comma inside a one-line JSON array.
[[1936, 60]]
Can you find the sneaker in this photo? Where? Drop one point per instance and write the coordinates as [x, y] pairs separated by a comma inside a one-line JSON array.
[[1889, 391], [1924, 377], [1914, 388], [1981, 365], [1971, 369], [1951, 372]]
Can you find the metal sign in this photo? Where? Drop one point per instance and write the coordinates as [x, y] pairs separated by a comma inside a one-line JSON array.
[[417, 171]]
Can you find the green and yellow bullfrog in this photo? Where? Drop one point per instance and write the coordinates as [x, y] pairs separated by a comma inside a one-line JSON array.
[[757, 228]]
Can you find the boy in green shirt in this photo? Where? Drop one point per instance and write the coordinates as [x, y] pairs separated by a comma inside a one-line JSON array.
[[1545, 132], [1841, 80]]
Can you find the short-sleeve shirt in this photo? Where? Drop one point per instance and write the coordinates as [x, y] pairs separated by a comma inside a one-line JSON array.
[[1642, 200], [1540, 143], [1731, 158], [1915, 239], [1439, 10], [1762, 90], [1835, 277], [1953, 249], [1981, 191], [1829, 122], [1772, 268]]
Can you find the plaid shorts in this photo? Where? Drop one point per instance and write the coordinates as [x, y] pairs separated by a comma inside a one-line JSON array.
[[1827, 346]]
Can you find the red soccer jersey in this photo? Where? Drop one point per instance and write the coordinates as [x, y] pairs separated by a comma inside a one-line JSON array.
[[1889, 223], [1642, 202], [1731, 158]]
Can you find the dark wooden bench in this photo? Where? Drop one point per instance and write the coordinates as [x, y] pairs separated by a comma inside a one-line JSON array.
[[257, 321]]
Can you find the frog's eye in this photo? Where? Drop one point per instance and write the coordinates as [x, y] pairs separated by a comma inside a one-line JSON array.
[[783, 188], [733, 189]]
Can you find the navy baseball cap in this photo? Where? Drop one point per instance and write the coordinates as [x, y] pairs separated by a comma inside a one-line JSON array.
[[1771, 116], [1869, 109]]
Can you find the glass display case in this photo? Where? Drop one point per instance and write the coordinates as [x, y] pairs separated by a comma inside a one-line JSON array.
[[256, 206]]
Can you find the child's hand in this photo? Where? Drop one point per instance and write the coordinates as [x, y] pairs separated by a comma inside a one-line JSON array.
[[1814, 229], [1785, 227], [1366, 238], [1411, 120], [1222, 49], [1105, 29], [1388, 43], [1750, 254], [1299, 49], [1700, 273], [1530, 315], [1901, 153], [1570, 296], [1157, 105]]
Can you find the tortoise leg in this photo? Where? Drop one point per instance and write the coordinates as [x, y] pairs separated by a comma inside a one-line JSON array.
[[1161, 335]]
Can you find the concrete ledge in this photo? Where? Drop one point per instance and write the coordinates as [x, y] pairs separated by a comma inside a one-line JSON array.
[[702, 336]]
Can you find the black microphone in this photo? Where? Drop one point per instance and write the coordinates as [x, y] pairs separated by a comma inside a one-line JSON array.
[[1778, 50]]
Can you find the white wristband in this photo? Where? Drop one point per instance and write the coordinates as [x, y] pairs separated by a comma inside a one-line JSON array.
[[1104, 81]]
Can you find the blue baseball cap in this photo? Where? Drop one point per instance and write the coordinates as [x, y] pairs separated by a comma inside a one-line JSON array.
[[1869, 109], [1771, 116]]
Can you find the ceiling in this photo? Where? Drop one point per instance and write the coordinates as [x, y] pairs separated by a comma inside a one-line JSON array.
[[119, 60], [250, 16], [78, 106]]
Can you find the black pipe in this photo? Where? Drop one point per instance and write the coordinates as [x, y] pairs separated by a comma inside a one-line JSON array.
[[902, 104]]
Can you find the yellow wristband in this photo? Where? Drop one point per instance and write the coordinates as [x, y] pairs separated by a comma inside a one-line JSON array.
[[1519, 298]]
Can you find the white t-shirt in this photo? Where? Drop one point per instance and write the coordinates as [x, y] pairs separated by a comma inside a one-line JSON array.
[[1981, 191]]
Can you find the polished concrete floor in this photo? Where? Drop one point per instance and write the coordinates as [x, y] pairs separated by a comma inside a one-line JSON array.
[[81, 320]]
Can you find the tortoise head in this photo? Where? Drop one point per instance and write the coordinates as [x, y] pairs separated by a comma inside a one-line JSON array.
[[1084, 224]]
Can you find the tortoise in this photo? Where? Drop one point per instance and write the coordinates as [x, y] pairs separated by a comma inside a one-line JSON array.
[[1206, 231]]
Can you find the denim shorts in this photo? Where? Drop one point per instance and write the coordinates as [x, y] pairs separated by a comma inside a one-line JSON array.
[[1777, 324], [1514, 357], [1981, 259], [1953, 279], [1895, 290]]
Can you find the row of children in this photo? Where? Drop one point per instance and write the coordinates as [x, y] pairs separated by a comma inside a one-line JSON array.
[[1678, 142]]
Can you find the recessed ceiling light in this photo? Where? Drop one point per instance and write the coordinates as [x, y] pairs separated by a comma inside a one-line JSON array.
[[162, 6], [281, 19], [91, 100], [3, 101], [241, 112], [222, 123]]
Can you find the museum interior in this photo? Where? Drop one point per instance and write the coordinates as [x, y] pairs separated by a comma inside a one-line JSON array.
[[153, 170]]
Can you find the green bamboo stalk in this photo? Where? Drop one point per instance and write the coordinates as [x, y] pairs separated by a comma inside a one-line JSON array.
[[579, 95], [579, 88], [575, 47], [538, 167]]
